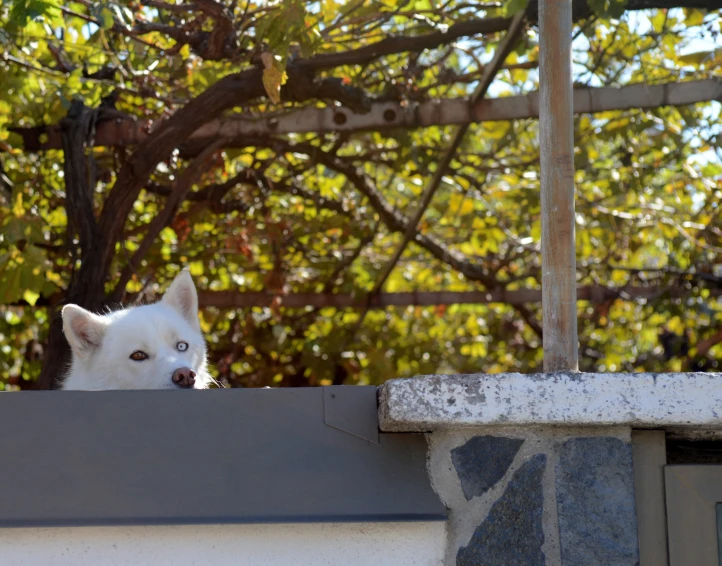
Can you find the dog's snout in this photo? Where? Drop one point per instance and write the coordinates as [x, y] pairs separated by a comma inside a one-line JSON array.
[[184, 377]]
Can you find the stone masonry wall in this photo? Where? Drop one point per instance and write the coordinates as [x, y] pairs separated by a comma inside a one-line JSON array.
[[528, 496]]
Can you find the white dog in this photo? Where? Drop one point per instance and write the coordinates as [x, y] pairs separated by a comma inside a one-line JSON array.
[[158, 346]]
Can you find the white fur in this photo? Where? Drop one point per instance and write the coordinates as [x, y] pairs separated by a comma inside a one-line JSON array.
[[102, 345]]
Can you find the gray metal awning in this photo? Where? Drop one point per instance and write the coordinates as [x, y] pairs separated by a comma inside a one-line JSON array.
[[215, 456]]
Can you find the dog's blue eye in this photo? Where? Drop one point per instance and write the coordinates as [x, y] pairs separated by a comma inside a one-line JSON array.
[[182, 346], [138, 356]]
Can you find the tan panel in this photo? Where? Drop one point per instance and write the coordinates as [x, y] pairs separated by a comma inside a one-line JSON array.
[[692, 493], [649, 455]]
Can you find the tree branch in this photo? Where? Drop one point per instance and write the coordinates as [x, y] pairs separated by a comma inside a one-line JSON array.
[[393, 45], [391, 217], [212, 196], [188, 7], [180, 189], [490, 71], [704, 346], [210, 193], [581, 9], [216, 45], [77, 130], [530, 319], [134, 173], [222, 39]]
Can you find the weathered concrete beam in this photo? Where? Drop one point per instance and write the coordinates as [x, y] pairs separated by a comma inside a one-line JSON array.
[[385, 115], [643, 400]]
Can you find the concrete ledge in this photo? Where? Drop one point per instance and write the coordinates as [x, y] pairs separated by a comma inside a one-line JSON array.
[[642, 400]]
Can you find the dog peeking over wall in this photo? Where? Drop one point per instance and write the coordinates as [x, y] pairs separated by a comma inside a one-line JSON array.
[[158, 346]]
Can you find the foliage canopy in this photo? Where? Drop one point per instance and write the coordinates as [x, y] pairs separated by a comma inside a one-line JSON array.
[[322, 213]]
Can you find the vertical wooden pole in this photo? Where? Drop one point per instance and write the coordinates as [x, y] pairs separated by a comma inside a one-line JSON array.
[[556, 133]]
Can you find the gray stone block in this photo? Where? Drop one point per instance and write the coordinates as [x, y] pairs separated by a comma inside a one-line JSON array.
[[512, 534], [595, 503], [483, 461]]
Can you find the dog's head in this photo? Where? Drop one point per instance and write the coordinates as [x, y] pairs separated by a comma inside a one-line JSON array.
[[158, 346]]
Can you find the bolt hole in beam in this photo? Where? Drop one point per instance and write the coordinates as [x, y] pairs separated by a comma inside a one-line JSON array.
[[389, 115], [556, 140], [339, 118]]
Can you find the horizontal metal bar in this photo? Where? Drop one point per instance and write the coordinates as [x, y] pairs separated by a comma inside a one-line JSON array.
[[595, 293]]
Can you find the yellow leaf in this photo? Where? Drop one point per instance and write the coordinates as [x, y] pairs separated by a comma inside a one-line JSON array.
[[196, 268], [18, 209], [693, 17], [274, 76], [460, 204], [31, 297]]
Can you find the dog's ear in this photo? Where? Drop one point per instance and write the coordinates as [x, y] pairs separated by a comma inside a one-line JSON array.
[[84, 330], [182, 296]]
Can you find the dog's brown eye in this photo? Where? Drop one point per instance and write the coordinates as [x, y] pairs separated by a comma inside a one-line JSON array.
[[182, 346], [138, 356]]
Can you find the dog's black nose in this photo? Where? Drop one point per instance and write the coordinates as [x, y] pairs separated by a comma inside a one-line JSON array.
[[184, 377]]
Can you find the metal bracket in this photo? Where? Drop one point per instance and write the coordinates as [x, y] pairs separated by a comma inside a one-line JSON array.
[[352, 409]]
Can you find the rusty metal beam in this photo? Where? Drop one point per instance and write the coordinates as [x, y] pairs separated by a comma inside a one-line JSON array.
[[594, 294], [245, 299]]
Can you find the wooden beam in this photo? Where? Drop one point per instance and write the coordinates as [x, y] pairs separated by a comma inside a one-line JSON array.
[[384, 115], [556, 141]]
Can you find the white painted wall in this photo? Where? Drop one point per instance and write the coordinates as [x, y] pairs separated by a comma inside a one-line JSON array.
[[333, 544]]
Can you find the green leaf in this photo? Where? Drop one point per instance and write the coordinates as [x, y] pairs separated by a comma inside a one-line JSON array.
[[511, 7], [10, 289], [608, 8], [21, 228], [19, 274], [105, 17], [24, 11]]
